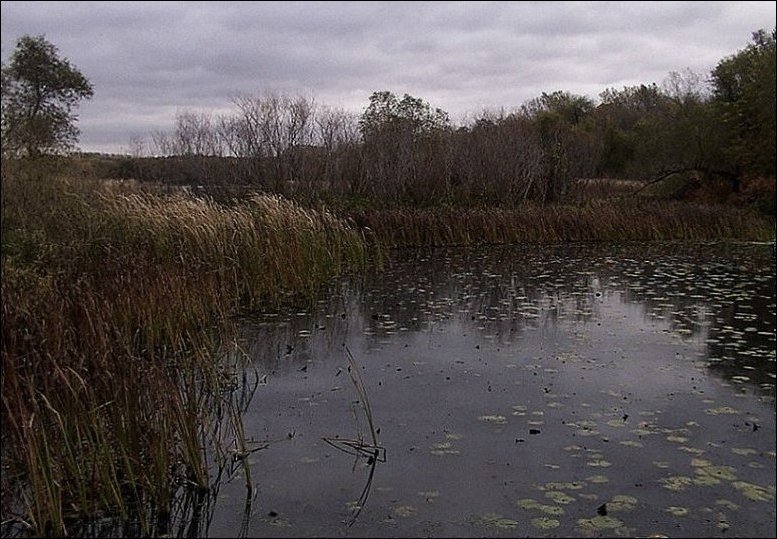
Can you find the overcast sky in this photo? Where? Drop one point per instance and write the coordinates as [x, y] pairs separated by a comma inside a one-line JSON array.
[[148, 60]]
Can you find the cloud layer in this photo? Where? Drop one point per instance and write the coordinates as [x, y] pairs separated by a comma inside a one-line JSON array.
[[148, 60]]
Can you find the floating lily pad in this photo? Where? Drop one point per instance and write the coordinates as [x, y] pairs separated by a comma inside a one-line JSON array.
[[495, 419], [560, 497], [552, 510], [622, 502], [631, 443], [498, 521], [676, 483], [724, 473], [722, 410], [727, 504], [597, 479], [677, 511], [545, 523], [754, 492], [573, 485], [404, 511], [528, 503], [444, 448], [692, 450], [598, 523]]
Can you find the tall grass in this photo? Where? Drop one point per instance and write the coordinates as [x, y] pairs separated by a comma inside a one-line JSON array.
[[593, 220], [115, 309], [116, 305]]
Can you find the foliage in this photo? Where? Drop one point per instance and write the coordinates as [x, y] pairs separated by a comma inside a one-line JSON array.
[[39, 92], [745, 96], [116, 307], [410, 115]]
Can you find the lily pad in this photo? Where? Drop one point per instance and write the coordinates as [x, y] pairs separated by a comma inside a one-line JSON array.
[[545, 523], [676, 483], [554, 510], [677, 511], [528, 503], [560, 497], [724, 473], [598, 479], [598, 523], [495, 419], [622, 502], [404, 511], [754, 492]]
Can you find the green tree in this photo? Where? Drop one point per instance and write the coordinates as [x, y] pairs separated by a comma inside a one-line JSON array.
[[571, 108], [405, 147], [39, 92], [410, 116], [744, 92]]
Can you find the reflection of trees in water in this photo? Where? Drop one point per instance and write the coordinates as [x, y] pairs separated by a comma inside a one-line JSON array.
[[702, 292]]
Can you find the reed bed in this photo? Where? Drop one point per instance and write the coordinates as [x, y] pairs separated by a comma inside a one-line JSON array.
[[612, 220], [116, 309], [115, 312]]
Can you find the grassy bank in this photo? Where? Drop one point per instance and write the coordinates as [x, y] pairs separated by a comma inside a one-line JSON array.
[[592, 220], [115, 306]]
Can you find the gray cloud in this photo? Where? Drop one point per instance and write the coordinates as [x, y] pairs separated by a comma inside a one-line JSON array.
[[148, 60]]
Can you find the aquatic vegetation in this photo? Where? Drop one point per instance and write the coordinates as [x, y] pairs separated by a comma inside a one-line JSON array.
[[611, 220], [495, 419], [404, 511], [560, 497], [116, 324], [466, 351], [497, 521], [622, 502], [598, 523], [545, 523], [754, 492]]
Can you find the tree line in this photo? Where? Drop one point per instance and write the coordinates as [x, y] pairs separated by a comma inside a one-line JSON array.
[[719, 127]]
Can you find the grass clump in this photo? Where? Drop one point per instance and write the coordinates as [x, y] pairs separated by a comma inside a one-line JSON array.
[[592, 220], [116, 309]]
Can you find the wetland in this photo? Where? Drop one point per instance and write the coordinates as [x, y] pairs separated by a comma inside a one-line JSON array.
[[558, 390]]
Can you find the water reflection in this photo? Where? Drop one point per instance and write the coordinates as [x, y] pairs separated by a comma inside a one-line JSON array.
[[504, 379], [722, 296]]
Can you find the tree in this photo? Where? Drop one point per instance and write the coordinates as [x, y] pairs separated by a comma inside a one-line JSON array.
[[571, 108], [405, 147], [410, 115], [39, 92], [744, 92]]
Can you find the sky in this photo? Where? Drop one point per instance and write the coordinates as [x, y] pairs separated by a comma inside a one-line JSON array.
[[150, 60]]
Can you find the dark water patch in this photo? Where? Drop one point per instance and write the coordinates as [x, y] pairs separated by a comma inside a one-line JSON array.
[[563, 391]]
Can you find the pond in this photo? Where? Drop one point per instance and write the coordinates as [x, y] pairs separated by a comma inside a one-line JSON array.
[[572, 390]]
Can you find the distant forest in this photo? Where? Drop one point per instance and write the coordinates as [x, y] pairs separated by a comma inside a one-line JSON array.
[[718, 127]]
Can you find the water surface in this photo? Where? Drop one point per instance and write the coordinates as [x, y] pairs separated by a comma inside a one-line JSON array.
[[571, 390]]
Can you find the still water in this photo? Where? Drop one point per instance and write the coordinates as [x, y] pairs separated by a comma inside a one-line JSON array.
[[572, 390]]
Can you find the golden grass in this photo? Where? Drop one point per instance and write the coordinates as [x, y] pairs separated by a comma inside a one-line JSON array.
[[595, 220], [115, 308]]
